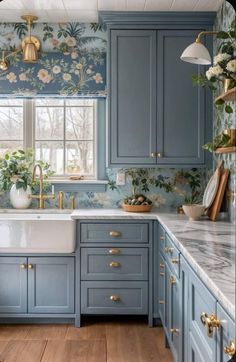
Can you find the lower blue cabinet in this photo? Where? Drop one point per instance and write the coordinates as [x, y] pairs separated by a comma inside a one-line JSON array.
[[37, 285], [51, 285], [13, 285], [226, 337]]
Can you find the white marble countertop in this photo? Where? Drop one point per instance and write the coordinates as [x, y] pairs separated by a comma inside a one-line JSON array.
[[208, 246]]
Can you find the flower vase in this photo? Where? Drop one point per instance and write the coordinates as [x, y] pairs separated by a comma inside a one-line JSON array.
[[19, 197], [227, 84]]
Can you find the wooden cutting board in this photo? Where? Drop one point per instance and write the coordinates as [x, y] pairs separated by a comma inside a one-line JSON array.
[[216, 205]]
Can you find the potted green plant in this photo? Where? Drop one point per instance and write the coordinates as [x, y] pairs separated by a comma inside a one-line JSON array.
[[16, 176]]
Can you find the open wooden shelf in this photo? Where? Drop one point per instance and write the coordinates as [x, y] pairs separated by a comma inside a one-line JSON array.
[[229, 96], [226, 150]]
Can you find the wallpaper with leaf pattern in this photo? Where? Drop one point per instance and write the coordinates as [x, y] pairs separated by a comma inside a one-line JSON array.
[[72, 61]]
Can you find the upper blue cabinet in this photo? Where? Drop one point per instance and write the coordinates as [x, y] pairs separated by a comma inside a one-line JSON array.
[[156, 117]]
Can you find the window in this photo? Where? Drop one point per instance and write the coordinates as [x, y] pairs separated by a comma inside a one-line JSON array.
[[62, 132]]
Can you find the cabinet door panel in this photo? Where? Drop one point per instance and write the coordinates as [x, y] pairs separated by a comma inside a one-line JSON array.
[[180, 105], [161, 279], [132, 114], [51, 285], [13, 285], [226, 334]]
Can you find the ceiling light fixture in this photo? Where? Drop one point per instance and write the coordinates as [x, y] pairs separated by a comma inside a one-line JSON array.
[[197, 53], [30, 46]]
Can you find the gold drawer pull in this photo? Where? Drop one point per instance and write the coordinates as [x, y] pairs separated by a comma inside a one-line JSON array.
[[114, 233], [162, 238], [30, 266], [153, 154], [174, 261], [115, 298], [230, 350], [114, 251], [210, 322], [159, 154], [174, 330], [114, 264], [162, 274], [162, 265], [168, 249], [161, 302], [172, 279], [23, 266]]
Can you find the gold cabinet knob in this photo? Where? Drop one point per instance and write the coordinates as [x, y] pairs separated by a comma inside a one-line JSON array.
[[23, 266], [115, 233], [162, 238], [172, 279], [161, 302], [153, 154], [168, 249], [159, 155], [114, 251], [30, 266], [230, 350], [174, 261], [162, 265], [174, 330], [210, 322], [115, 298], [162, 274], [114, 264]]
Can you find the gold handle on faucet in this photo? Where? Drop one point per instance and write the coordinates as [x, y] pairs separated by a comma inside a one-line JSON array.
[[230, 350], [61, 200], [72, 202], [210, 322], [114, 264], [115, 298], [115, 233]]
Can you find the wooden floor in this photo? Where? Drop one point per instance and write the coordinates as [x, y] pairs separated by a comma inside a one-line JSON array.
[[99, 340]]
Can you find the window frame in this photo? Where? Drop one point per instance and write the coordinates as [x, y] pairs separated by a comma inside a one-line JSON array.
[[29, 141]]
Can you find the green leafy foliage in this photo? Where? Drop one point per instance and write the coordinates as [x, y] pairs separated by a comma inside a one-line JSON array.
[[16, 167], [221, 140]]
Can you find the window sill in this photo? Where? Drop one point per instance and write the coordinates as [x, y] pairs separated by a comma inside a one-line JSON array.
[[79, 185]]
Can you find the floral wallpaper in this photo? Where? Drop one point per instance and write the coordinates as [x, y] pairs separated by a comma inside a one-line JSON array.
[[72, 61], [222, 120]]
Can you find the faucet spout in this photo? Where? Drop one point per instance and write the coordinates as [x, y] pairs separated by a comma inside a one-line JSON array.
[[41, 198]]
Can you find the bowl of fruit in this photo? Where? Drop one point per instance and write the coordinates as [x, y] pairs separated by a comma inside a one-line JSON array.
[[137, 203]]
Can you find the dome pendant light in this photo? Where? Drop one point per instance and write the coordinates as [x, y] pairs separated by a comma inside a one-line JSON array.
[[197, 53], [31, 44]]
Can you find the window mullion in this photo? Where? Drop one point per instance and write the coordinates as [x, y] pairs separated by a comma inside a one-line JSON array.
[[28, 116]]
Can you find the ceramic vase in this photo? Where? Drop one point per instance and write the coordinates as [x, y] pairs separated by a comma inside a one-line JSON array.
[[19, 197]]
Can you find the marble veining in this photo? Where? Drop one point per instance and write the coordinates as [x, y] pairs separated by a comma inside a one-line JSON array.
[[209, 247]]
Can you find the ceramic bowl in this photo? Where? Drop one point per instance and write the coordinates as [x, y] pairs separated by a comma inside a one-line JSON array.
[[194, 211]]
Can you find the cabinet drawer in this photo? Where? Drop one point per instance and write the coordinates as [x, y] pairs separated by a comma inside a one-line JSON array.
[[162, 236], [114, 263], [114, 233], [172, 255], [114, 298]]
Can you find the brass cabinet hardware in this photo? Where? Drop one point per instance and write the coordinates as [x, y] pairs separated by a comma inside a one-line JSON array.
[[114, 264], [162, 265], [162, 238], [174, 330], [162, 274], [174, 261], [230, 350], [114, 251], [115, 298], [168, 249], [153, 154], [172, 279], [159, 155], [30, 266], [210, 322], [23, 266], [161, 302], [115, 233]]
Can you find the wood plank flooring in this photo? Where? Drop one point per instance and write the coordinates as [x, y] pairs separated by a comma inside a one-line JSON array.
[[103, 339]]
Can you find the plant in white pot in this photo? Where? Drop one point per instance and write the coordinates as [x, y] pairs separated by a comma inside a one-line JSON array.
[[16, 176]]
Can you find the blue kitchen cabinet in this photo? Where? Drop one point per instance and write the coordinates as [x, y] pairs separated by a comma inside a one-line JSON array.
[[226, 337], [161, 285], [51, 285], [13, 285], [132, 97]]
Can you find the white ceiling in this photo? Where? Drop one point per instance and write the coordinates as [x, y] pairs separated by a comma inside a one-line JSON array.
[[87, 10]]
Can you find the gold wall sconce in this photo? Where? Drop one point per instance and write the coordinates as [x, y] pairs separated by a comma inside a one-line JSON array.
[[30, 46]]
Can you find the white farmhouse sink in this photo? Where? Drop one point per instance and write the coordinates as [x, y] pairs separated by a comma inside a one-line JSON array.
[[37, 231]]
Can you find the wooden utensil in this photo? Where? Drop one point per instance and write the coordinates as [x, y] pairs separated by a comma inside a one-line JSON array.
[[216, 205]]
